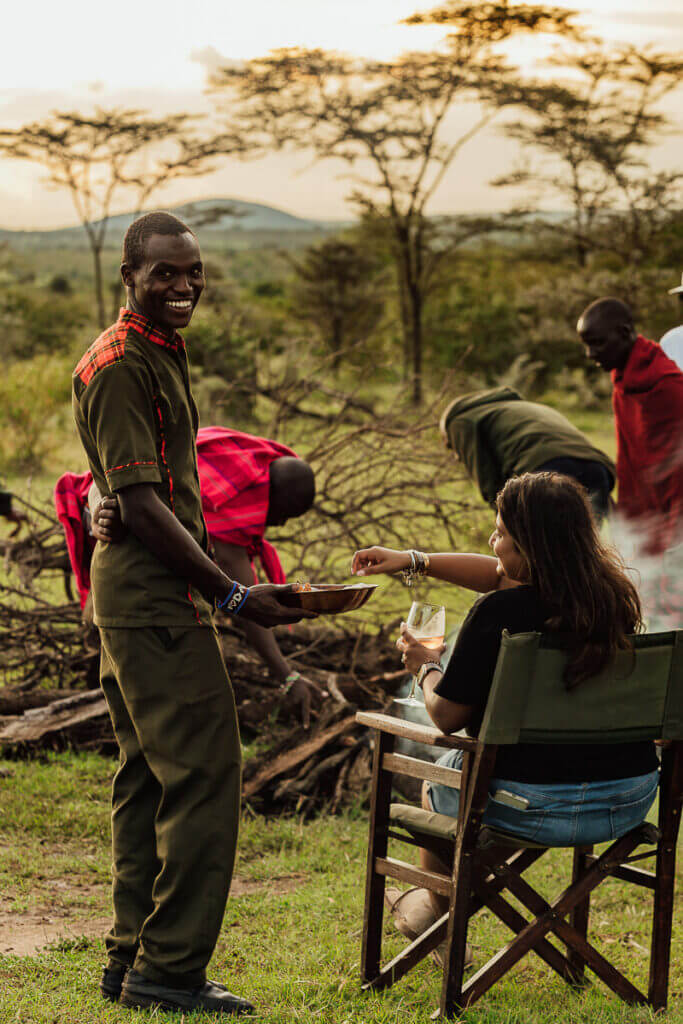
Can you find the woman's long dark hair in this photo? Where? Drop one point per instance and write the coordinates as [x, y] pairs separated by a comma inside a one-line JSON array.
[[549, 517]]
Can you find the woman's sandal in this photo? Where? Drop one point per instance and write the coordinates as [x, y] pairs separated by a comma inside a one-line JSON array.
[[413, 914], [411, 910]]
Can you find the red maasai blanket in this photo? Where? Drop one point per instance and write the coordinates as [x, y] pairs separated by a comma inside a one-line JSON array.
[[233, 476], [71, 497], [648, 413]]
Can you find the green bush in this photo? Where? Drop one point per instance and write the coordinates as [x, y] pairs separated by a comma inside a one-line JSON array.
[[33, 322], [224, 357], [34, 397]]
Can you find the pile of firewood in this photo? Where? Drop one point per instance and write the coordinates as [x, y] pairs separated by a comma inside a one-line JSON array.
[[290, 768]]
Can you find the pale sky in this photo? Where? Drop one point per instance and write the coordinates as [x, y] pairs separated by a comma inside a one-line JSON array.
[[149, 54]]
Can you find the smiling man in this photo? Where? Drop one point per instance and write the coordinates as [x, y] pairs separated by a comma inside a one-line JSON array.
[[176, 795]]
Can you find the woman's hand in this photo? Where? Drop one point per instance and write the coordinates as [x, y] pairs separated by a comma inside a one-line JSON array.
[[416, 654], [370, 561], [107, 525]]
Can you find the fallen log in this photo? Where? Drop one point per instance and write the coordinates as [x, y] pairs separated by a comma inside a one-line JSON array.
[[14, 701], [56, 717], [291, 759]]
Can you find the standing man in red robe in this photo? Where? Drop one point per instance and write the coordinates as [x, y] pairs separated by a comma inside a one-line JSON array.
[[647, 399]]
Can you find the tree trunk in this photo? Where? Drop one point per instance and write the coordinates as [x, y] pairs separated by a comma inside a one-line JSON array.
[[99, 286], [416, 341], [409, 263], [405, 323]]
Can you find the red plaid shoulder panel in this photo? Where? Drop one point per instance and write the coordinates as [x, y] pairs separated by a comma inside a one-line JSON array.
[[150, 332], [107, 349]]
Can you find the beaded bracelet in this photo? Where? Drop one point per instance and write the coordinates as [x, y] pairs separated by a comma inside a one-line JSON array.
[[232, 604], [219, 605], [289, 682]]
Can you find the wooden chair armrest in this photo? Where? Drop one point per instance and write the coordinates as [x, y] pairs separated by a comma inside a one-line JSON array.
[[411, 731]]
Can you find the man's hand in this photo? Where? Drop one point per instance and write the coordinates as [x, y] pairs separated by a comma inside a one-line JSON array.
[[265, 608], [107, 525], [304, 693]]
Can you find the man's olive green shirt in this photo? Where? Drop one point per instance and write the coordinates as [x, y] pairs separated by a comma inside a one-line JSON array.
[[138, 423]]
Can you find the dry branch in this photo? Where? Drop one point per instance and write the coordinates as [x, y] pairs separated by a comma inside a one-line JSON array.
[[385, 481]]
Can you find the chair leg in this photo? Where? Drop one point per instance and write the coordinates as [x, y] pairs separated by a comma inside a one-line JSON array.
[[671, 783], [456, 940], [377, 847], [580, 913], [662, 918]]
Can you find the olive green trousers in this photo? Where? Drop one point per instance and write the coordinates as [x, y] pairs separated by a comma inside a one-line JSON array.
[[175, 798]]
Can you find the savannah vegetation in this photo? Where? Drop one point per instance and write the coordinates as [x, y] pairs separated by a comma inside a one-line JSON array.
[[345, 344]]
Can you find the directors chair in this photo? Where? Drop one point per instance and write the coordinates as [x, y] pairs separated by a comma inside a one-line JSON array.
[[640, 697]]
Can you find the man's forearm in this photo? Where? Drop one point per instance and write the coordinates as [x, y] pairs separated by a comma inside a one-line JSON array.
[[155, 526], [265, 644]]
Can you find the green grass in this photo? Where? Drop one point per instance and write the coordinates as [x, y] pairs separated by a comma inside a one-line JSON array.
[[295, 955]]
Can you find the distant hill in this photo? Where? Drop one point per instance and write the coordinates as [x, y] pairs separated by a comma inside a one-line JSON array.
[[214, 217]]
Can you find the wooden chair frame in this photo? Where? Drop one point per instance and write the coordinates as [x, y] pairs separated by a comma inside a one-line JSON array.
[[485, 863]]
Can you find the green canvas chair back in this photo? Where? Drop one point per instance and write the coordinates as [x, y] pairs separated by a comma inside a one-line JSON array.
[[639, 697]]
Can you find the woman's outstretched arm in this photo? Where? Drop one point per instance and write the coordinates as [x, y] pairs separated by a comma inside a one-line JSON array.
[[474, 572]]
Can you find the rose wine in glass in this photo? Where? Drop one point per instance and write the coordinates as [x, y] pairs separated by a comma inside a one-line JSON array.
[[427, 623]]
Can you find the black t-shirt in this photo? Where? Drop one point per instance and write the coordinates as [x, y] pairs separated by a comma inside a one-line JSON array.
[[468, 678]]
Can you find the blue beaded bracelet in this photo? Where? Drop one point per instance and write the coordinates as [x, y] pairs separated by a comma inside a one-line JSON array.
[[221, 604]]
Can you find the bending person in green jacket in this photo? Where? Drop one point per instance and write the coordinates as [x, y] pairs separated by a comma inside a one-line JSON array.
[[497, 434]]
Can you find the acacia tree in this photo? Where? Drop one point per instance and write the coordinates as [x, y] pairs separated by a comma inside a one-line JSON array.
[[592, 132], [111, 152], [386, 120], [339, 289]]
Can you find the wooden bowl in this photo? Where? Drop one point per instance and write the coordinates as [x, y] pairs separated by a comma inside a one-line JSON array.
[[331, 598]]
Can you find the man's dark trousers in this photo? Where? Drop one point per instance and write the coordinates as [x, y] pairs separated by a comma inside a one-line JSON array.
[[175, 798]]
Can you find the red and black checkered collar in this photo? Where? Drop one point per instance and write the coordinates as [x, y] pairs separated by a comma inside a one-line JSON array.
[[150, 331]]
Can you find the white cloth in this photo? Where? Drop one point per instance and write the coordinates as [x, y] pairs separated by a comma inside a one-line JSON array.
[[657, 578], [672, 345]]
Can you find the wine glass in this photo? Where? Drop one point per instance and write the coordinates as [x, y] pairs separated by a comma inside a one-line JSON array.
[[427, 623]]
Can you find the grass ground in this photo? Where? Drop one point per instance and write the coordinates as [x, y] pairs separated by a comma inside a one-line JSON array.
[[290, 941]]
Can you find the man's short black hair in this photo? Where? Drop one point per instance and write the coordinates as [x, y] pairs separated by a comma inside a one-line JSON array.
[[609, 312], [157, 223]]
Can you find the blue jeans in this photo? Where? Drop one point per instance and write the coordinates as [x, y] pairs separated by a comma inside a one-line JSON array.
[[560, 813]]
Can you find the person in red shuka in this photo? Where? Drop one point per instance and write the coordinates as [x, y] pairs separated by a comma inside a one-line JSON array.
[[647, 399]]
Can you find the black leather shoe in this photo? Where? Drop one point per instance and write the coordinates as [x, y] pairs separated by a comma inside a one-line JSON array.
[[140, 993], [111, 982]]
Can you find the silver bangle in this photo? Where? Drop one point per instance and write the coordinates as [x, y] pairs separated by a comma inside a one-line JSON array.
[[419, 564]]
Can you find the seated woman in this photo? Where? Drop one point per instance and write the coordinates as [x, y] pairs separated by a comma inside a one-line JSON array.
[[550, 572]]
